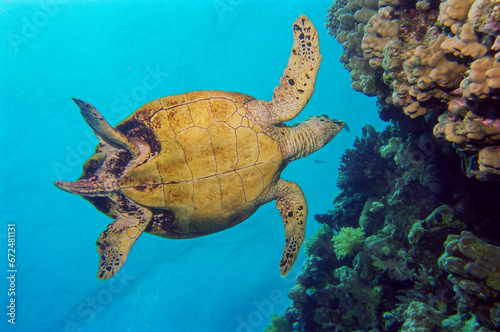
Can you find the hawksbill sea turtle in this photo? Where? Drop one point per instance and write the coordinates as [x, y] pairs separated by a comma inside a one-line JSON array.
[[200, 162]]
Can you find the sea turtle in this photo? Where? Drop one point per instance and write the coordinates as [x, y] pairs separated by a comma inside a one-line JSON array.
[[200, 162]]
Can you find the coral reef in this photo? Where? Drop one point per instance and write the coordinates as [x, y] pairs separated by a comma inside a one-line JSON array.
[[348, 241], [428, 58], [396, 280], [411, 244], [279, 324], [342, 304], [421, 317], [474, 270]]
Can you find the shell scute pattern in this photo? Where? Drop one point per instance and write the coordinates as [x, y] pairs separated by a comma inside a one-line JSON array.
[[179, 118], [180, 197], [232, 194], [214, 160], [253, 183], [207, 195], [224, 143], [199, 114], [247, 146], [198, 151]]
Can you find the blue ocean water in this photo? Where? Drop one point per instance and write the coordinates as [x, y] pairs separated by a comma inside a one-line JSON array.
[[118, 55]]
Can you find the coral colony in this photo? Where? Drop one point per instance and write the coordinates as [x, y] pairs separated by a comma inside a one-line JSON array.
[[412, 242]]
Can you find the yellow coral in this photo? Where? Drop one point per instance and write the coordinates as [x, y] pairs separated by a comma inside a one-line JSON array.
[[454, 12], [483, 79], [489, 160], [381, 28], [348, 241], [437, 55], [466, 44]]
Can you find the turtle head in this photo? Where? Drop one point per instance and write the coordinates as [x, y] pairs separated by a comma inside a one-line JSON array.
[[322, 130], [325, 128], [309, 136]]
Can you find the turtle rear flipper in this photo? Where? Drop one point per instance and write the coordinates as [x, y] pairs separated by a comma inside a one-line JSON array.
[[104, 130], [297, 83], [115, 242]]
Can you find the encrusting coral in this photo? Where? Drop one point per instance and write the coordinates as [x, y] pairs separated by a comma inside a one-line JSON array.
[[430, 57]]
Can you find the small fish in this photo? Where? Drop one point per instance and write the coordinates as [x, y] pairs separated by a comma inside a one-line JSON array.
[[318, 161]]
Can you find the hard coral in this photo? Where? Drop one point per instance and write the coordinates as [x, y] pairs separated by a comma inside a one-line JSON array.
[[430, 59], [381, 28], [346, 22], [453, 13], [362, 169], [343, 304], [279, 324], [394, 282], [421, 317], [474, 268]]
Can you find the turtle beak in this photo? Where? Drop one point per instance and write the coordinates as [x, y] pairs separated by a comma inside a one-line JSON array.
[[341, 124]]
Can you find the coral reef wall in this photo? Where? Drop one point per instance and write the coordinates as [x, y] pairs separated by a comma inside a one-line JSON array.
[[397, 253], [411, 243], [429, 58]]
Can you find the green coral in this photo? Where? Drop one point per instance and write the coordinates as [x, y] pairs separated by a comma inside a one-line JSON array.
[[279, 324], [318, 243], [397, 263], [348, 241], [391, 148]]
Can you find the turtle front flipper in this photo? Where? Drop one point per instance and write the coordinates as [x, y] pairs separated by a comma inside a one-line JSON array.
[[115, 242], [297, 83], [293, 210]]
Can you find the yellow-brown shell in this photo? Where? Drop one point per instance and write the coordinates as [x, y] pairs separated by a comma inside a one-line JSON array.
[[214, 162]]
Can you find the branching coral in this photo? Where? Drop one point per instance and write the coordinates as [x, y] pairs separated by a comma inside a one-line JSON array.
[[365, 172]]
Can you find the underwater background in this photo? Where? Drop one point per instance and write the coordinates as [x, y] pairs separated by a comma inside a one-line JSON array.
[[102, 52], [403, 230]]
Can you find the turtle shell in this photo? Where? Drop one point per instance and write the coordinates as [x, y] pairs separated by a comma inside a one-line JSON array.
[[213, 165]]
